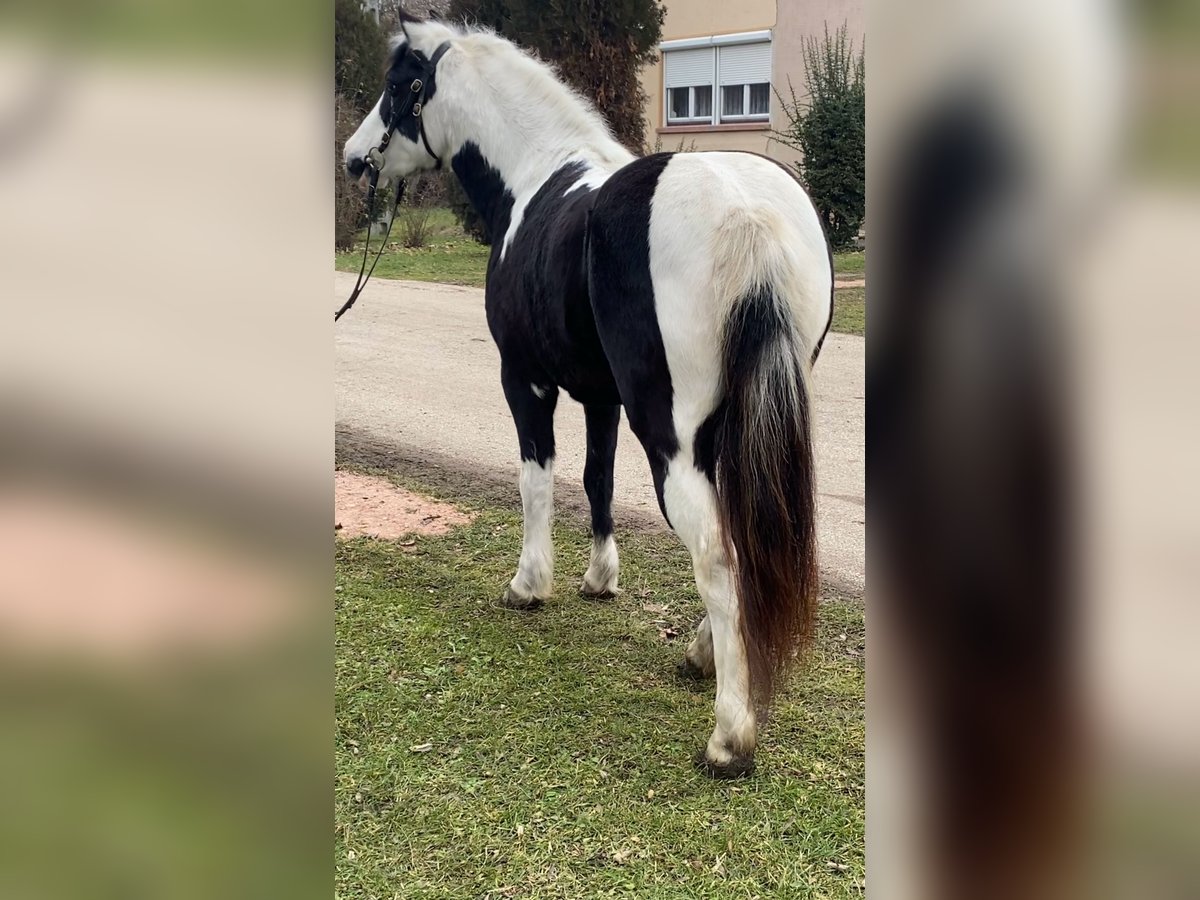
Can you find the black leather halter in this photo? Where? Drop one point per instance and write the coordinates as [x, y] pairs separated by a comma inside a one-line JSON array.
[[411, 103]]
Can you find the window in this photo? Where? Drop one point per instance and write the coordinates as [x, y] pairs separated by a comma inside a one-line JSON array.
[[689, 79], [744, 71], [733, 101], [733, 69], [691, 104], [760, 99]]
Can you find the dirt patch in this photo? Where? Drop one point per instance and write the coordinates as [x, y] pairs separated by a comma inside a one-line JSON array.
[[84, 577], [839, 283], [370, 505]]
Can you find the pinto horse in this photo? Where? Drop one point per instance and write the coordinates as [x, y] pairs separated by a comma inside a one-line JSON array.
[[692, 289]]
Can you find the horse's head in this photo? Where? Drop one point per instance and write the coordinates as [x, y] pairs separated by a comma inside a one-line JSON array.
[[396, 136]]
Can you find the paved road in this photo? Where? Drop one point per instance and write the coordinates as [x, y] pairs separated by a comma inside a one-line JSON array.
[[417, 384]]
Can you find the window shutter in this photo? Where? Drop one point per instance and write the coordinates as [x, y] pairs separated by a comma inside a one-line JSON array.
[[686, 68], [745, 63]]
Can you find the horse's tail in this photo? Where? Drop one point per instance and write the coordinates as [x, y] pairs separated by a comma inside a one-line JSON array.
[[763, 447]]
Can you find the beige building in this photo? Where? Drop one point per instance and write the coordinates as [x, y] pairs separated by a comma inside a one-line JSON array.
[[721, 62]]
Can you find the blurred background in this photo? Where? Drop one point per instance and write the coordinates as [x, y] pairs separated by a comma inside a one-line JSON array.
[[165, 450], [1032, 681]]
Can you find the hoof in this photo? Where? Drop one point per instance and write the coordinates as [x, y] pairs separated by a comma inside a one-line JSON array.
[[737, 767], [588, 593], [690, 672], [513, 600]]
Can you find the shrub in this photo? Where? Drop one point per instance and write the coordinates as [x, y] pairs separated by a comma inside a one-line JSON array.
[[468, 218], [414, 216], [359, 55], [349, 204], [829, 130], [685, 146]]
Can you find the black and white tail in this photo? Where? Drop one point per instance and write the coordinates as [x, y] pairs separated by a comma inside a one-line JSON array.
[[763, 448]]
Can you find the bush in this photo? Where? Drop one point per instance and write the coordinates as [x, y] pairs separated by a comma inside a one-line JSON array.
[[830, 133], [359, 55], [468, 218], [349, 204], [424, 192]]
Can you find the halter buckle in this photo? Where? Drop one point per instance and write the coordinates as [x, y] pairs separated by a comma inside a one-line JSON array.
[[375, 158], [417, 109], [417, 85]]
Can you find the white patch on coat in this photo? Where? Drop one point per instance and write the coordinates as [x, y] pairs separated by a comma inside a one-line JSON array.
[[367, 137], [535, 572], [604, 569], [592, 179], [538, 392]]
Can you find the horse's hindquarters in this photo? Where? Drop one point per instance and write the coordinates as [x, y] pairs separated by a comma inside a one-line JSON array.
[[710, 294]]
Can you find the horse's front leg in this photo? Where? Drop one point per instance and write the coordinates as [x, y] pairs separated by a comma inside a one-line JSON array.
[[600, 580], [532, 404]]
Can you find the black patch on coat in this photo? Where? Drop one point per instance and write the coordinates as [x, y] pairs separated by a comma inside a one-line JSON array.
[[602, 425], [484, 188], [404, 66], [538, 307], [533, 415], [704, 446], [623, 300]]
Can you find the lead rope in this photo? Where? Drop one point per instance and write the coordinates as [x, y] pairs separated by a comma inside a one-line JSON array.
[[361, 282]]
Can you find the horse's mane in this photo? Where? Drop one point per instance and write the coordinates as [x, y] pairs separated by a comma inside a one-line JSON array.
[[540, 87]]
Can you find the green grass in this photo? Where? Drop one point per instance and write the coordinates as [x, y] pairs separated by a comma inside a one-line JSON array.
[[450, 256], [453, 258], [852, 263], [850, 310], [560, 742]]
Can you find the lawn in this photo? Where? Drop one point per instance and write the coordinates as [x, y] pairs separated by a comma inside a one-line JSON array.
[[850, 310], [850, 264], [450, 256], [483, 752], [453, 258]]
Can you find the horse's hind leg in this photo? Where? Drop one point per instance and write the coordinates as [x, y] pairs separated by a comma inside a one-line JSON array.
[[532, 408], [698, 662], [600, 580], [691, 503]]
